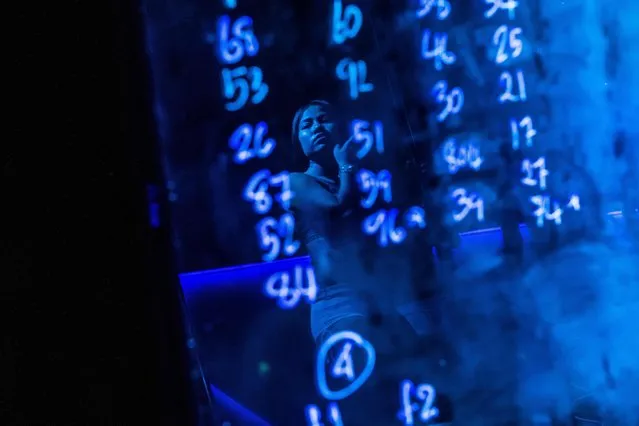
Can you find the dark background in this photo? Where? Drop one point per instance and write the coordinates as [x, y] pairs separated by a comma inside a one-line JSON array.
[[94, 334]]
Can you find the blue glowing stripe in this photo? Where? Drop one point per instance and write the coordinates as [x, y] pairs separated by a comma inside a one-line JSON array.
[[233, 411], [193, 282]]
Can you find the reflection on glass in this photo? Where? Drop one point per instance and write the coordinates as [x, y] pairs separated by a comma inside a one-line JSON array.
[[375, 248]]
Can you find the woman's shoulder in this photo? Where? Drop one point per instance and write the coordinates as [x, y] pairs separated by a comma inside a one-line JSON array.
[[299, 184], [300, 176], [297, 177]]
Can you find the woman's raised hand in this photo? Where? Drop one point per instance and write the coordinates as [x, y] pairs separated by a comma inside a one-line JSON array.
[[345, 154]]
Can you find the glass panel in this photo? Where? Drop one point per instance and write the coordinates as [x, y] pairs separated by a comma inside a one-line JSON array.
[[463, 175]]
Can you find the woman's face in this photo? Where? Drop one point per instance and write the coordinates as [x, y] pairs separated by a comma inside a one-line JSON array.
[[315, 131]]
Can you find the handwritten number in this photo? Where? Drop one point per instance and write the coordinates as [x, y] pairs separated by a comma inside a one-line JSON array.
[[242, 83], [346, 21], [423, 392], [270, 233], [314, 416], [235, 41], [542, 212], [382, 222], [439, 52], [256, 190], [461, 155], [249, 142], [355, 73], [529, 168], [507, 82], [525, 123], [288, 292], [496, 5], [504, 37], [286, 231], [467, 202], [268, 238], [426, 6], [454, 101], [372, 184], [285, 195], [426, 393], [368, 137]]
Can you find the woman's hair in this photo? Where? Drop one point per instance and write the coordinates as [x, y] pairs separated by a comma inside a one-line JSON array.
[[298, 153]]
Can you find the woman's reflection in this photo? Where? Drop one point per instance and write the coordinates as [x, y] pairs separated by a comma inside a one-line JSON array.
[[325, 204]]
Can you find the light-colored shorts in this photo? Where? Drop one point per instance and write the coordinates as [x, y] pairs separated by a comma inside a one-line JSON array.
[[340, 301]]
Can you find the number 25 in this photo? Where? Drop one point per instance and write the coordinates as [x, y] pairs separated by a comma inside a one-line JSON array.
[[512, 36]]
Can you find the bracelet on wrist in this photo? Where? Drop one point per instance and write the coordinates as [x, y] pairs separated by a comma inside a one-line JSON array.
[[346, 168]]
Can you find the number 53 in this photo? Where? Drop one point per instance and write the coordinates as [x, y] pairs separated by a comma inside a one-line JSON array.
[[241, 83]]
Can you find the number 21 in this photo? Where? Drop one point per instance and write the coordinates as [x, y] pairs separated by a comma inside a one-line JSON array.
[[506, 81]]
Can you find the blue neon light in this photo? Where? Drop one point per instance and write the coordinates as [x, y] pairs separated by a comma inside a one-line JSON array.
[[384, 223], [442, 8], [242, 84], [497, 5], [459, 155], [250, 141], [248, 274], [508, 42], [275, 236], [507, 81], [234, 410], [439, 51], [468, 201], [236, 40], [346, 22], [288, 288], [529, 167], [314, 415], [526, 124], [453, 101], [257, 193], [355, 73], [371, 184], [368, 135], [424, 393], [348, 338]]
